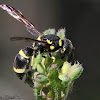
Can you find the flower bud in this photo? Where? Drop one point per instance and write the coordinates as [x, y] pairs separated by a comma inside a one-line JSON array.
[[61, 33], [65, 67], [75, 71], [49, 31], [37, 85], [64, 78], [41, 78]]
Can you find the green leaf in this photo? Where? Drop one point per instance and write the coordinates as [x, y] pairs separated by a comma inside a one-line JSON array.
[[41, 68], [48, 61], [59, 62], [55, 84], [37, 60]]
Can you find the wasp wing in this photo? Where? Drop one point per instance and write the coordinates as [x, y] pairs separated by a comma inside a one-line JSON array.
[[19, 16]]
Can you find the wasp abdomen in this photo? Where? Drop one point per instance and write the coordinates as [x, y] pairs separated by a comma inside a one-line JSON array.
[[22, 61], [21, 64]]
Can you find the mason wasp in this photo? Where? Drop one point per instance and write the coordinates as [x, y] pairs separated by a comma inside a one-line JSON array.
[[42, 43]]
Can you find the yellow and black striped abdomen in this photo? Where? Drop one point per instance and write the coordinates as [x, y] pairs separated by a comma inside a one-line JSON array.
[[20, 64], [22, 61]]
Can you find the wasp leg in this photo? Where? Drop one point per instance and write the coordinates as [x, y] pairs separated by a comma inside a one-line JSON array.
[[49, 54], [29, 79], [32, 61], [71, 56]]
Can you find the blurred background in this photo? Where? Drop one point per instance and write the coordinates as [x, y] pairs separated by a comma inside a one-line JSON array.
[[80, 18]]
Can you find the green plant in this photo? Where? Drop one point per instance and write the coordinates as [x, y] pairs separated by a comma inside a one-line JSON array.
[[53, 77]]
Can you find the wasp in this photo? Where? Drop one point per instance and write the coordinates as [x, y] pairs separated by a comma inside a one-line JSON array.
[[43, 43]]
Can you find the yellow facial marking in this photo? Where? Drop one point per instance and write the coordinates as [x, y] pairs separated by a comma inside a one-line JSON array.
[[52, 47], [39, 38], [22, 54], [60, 42], [20, 70], [50, 42]]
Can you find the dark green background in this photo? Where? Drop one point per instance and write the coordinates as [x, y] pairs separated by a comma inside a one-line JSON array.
[[81, 18]]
